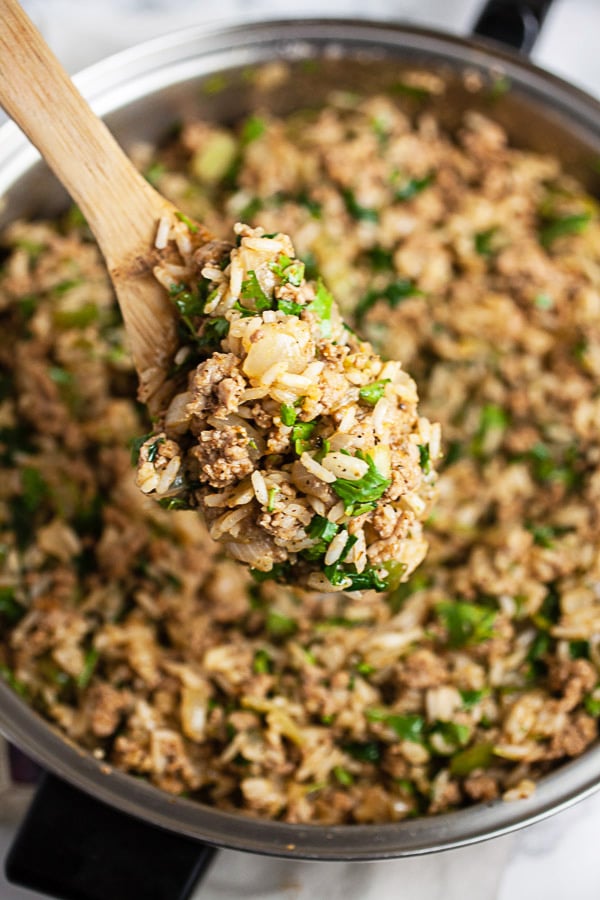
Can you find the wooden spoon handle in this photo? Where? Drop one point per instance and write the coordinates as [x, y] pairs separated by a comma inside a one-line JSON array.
[[121, 208]]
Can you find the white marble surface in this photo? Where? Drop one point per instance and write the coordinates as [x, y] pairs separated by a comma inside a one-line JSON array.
[[553, 860]]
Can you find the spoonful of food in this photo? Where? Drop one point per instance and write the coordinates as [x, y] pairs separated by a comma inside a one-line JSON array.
[[303, 449]]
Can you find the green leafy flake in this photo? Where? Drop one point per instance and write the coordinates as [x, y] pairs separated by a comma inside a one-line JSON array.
[[251, 290], [484, 242], [493, 418], [290, 307], [34, 489], [466, 623], [407, 727], [480, 756], [364, 751], [288, 414], [373, 392], [347, 576], [366, 669], [322, 528], [279, 625], [499, 87], [412, 187], [173, 503], [279, 572], [452, 733], [358, 212], [153, 449], [154, 173], [60, 376], [471, 698], [289, 271], [342, 775], [263, 663], [579, 649], [10, 608], [271, 494], [135, 445], [381, 260], [251, 209], [553, 228], [213, 332], [543, 535], [13, 682], [543, 301], [191, 226], [393, 295], [425, 458], [253, 128], [365, 490], [215, 84], [413, 91], [89, 667], [322, 306], [301, 436], [592, 705]]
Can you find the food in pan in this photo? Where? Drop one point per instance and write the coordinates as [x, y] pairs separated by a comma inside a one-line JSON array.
[[476, 264]]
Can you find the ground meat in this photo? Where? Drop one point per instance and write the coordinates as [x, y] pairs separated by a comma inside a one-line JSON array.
[[216, 388], [105, 706], [421, 669], [573, 740], [221, 456], [481, 787], [572, 678]]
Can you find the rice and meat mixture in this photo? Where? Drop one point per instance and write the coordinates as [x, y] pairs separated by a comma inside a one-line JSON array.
[[302, 448], [476, 264]]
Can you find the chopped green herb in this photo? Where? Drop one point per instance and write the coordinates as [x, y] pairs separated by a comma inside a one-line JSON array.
[[493, 419], [484, 242], [34, 489], [579, 650], [393, 294], [313, 206], [358, 212], [592, 705], [425, 458], [373, 392], [173, 503], [279, 625], [192, 228], [363, 491], [154, 173], [543, 301], [89, 667], [543, 535], [453, 454], [251, 290], [466, 623], [290, 271], [407, 727], [367, 751], [251, 209], [368, 580], [499, 87], [290, 307], [279, 572], [414, 91], [560, 227], [453, 734], [253, 128], [412, 187], [60, 376], [135, 445], [322, 528], [263, 663], [321, 306], [472, 698], [12, 680], [10, 608], [300, 436], [479, 756], [153, 449], [343, 776], [214, 85], [364, 668], [272, 493], [213, 332], [381, 260]]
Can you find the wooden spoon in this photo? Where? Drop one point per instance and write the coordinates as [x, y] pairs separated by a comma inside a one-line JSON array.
[[121, 208]]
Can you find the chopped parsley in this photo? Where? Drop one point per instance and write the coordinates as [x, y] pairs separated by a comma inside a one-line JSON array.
[[364, 751], [555, 227], [193, 228], [213, 332], [373, 392], [471, 698], [484, 242], [263, 663], [89, 667], [253, 128], [493, 418], [251, 290], [10, 608], [290, 271], [381, 260], [393, 294], [412, 187], [173, 503], [358, 212], [425, 458], [279, 625], [153, 449], [466, 623], [592, 705], [343, 776], [272, 494], [368, 580], [479, 756], [407, 727], [361, 495]]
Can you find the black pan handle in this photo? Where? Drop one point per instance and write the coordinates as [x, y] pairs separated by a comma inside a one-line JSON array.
[[514, 23], [73, 847]]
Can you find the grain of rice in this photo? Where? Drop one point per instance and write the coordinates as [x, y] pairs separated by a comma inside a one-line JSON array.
[[336, 547], [316, 469], [342, 466], [162, 232], [260, 487]]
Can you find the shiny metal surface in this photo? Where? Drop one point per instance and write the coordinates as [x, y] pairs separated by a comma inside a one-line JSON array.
[[141, 92]]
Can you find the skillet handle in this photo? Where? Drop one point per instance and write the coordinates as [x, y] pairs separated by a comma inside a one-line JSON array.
[[514, 23], [73, 847]]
